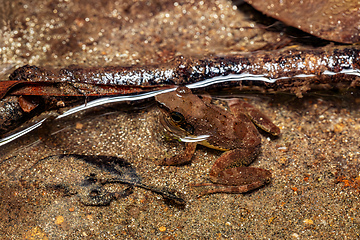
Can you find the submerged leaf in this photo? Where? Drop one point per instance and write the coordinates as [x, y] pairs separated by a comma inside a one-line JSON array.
[[336, 20]]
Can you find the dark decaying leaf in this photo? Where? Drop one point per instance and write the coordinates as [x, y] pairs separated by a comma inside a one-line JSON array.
[[89, 177], [5, 86]]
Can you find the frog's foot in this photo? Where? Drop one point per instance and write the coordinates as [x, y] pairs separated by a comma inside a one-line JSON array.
[[236, 180], [179, 159]]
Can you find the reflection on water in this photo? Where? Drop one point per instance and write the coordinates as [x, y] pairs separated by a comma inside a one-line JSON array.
[[53, 123]]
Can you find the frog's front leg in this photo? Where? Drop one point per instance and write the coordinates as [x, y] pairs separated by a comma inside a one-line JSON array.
[[227, 177], [181, 158]]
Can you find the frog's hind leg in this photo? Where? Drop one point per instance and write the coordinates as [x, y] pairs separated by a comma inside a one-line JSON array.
[[181, 158], [257, 117], [232, 159], [236, 180], [228, 175]]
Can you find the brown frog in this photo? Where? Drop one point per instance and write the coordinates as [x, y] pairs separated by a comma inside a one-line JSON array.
[[196, 120]]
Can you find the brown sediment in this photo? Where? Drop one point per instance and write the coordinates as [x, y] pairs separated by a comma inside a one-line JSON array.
[[293, 69]]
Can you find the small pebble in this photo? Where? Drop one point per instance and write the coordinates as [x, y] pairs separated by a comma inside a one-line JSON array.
[[308, 221], [59, 220]]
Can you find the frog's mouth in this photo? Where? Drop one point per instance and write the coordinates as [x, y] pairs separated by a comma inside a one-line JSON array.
[[174, 128], [179, 130]]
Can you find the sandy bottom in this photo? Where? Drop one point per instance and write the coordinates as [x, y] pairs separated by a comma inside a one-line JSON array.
[[314, 192]]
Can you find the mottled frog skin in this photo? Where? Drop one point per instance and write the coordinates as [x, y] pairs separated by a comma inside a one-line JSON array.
[[233, 131]]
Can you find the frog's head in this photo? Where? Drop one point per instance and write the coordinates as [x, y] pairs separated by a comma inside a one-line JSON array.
[[181, 108]]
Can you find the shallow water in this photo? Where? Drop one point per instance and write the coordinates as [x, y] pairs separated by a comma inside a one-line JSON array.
[[314, 191]]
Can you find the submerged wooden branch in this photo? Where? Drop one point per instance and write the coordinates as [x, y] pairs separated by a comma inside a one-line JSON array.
[[287, 70]]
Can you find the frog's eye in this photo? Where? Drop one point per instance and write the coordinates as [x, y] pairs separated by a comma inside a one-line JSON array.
[[177, 117]]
